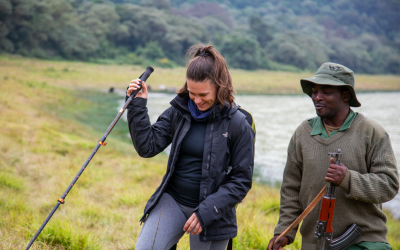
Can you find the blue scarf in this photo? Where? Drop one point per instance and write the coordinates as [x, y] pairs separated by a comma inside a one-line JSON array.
[[197, 114]]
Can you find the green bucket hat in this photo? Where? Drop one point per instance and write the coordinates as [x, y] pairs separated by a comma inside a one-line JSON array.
[[332, 74]]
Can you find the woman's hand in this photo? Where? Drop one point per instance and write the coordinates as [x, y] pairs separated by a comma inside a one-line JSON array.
[[191, 223], [134, 86]]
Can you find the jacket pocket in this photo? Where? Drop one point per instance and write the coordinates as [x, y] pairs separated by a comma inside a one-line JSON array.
[[225, 225], [222, 179]]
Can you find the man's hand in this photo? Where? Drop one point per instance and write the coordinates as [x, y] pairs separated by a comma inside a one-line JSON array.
[[279, 245], [336, 173], [191, 223]]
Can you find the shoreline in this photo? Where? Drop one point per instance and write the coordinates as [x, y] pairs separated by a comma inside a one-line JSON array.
[[121, 92], [278, 94], [77, 74]]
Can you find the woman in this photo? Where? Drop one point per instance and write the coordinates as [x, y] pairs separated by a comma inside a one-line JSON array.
[[192, 198]]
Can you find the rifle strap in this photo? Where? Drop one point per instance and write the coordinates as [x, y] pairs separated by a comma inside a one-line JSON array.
[[303, 215]]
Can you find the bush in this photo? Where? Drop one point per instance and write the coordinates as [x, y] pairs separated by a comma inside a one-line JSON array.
[[302, 51], [151, 52], [165, 63], [242, 52], [130, 58]]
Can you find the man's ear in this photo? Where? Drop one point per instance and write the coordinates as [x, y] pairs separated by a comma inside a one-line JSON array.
[[346, 96]]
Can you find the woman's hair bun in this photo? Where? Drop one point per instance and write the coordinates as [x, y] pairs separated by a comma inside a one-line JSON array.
[[202, 51]]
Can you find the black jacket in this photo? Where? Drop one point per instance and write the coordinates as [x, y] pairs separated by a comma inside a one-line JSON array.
[[216, 211]]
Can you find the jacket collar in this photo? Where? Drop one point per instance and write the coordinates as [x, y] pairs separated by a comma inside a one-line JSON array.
[[181, 104]]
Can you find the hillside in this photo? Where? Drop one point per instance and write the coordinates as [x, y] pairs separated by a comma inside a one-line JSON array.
[[274, 35]]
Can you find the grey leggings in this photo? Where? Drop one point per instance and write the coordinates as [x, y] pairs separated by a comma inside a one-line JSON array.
[[170, 228]]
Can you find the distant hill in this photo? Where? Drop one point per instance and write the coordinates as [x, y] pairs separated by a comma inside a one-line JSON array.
[[276, 35]]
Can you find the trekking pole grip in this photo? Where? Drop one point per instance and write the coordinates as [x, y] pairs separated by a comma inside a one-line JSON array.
[[143, 78]]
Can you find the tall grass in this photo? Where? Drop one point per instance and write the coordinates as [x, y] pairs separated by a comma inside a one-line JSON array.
[[41, 152], [51, 119]]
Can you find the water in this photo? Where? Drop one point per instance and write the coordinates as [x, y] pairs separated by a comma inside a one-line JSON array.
[[277, 117]]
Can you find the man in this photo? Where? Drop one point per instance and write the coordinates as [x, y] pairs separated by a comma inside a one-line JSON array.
[[366, 177]]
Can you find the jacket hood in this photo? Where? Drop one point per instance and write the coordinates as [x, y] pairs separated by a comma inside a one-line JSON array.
[[181, 104]]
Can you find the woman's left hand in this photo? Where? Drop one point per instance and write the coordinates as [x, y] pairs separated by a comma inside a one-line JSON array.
[[191, 223]]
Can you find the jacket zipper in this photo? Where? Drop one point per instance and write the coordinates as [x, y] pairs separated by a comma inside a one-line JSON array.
[[163, 189], [209, 159], [208, 169]]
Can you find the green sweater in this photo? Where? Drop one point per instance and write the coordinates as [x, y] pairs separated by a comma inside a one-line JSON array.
[[371, 179]]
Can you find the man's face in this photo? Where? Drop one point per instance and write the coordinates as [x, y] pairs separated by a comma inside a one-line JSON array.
[[328, 100]]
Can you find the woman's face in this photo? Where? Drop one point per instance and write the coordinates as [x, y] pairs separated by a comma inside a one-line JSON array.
[[204, 94]]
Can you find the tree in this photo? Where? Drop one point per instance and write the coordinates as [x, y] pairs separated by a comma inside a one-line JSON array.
[[100, 20], [305, 52], [241, 52], [214, 29], [159, 4], [5, 25], [140, 25], [260, 30], [181, 34], [207, 9], [151, 52], [352, 54]]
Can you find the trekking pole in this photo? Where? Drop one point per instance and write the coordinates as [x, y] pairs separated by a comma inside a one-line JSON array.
[[61, 200]]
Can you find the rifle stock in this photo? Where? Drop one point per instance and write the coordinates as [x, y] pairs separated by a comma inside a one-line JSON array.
[[324, 230]]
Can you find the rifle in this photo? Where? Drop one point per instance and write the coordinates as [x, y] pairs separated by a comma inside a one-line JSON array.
[[324, 225], [102, 142]]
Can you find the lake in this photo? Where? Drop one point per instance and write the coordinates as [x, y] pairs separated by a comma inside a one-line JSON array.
[[277, 117]]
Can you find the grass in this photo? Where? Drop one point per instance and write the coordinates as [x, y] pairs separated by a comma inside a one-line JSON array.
[[52, 116], [95, 76]]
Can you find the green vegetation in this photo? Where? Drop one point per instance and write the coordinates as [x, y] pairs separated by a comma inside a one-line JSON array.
[[75, 75], [52, 115], [274, 35]]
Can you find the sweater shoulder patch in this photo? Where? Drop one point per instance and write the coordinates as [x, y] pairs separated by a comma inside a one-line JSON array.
[[372, 129], [390, 159]]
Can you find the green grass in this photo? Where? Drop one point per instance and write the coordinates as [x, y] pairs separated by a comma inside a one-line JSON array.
[[68, 235], [8, 180], [51, 119], [78, 75]]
